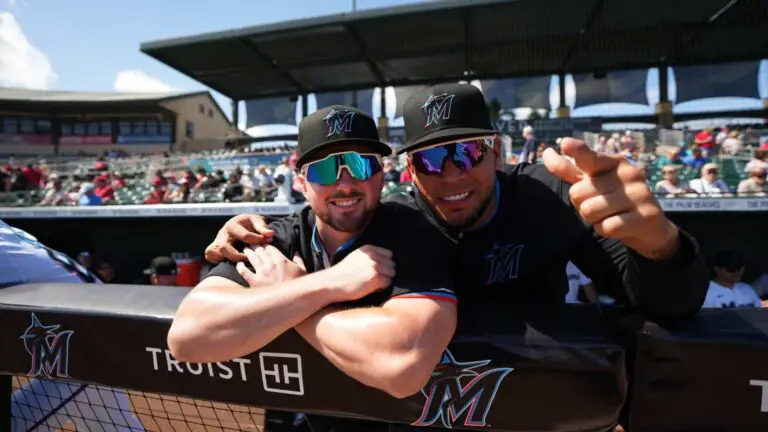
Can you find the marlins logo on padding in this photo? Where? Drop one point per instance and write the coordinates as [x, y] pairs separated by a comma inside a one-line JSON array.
[[437, 108], [459, 393], [339, 121], [49, 349]]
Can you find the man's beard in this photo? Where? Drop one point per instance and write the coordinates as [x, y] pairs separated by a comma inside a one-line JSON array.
[[349, 223], [476, 216]]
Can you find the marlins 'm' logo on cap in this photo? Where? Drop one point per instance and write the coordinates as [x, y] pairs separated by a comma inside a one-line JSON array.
[[437, 108], [339, 121]]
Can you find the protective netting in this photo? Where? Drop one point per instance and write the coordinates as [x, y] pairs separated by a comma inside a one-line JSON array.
[[46, 405]]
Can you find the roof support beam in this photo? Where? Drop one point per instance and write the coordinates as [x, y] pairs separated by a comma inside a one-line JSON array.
[[374, 68], [594, 16], [716, 18], [272, 64]]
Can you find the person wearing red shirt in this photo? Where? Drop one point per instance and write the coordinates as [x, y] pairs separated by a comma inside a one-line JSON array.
[[706, 141], [33, 175], [104, 190]]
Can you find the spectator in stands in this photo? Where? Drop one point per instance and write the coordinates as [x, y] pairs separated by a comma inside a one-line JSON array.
[[56, 196], [696, 159], [671, 184], [756, 184], [732, 145], [117, 181], [233, 191], [88, 196], [709, 183], [19, 182], [5, 179], [529, 146], [33, 175], [105, 270], [726, 289], [601, 146], [162, 271], [249, 183], [181, 193], [391, 174], [159, 179], [74, 193], [218, 179], [158, 195], [405, 177], [85, 258], [706, 142], [613, 144], [104, 190]]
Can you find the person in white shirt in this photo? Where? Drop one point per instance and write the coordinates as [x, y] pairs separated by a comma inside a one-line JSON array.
[[25, 260], [709, 184], [727, 290], [578, 281]]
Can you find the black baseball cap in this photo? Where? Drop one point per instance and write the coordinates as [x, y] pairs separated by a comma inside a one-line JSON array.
[[162, 266], [337, 124], [445, 112], [729, 259]]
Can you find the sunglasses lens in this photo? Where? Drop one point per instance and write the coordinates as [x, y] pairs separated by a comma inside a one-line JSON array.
[[468, 154], [431, 161], [361, 167], [323, 172], [326, 171], [465, 155]]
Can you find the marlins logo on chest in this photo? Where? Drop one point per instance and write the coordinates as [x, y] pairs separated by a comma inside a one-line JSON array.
[[437, 108], [503, 262], [339, 121]]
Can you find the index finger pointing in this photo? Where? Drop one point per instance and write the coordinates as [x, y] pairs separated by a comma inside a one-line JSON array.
[[588, 160]]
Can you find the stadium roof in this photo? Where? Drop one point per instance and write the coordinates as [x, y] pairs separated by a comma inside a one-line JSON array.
[[438, 41], [47, 96], [69, 102]]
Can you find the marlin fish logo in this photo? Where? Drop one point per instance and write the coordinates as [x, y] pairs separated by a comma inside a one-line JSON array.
[[437, 108], [458, 392], [504, 262], [339, 121], [48, 349]]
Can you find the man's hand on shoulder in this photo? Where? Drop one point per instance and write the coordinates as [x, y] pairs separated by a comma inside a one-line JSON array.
[[249, 229], [612, 195], [270, 267], [362, 272]]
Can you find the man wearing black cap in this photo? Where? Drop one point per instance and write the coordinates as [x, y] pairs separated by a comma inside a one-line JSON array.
[[726, 290], [162, 271], [345, 242], [595, 210]]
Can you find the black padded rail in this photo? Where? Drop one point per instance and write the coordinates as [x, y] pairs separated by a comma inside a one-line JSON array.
[[508, 369]]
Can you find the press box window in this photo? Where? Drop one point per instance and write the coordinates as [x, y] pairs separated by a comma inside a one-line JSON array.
[[27, 126], [43, 126], [10, 126], [125, 128]]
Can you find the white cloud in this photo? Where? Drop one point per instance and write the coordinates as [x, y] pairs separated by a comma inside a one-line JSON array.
[[21, 63], [137, 81]]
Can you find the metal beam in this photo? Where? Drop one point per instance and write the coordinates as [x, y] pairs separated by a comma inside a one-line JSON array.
[[594, 16], [704, 27], [272, 64], [374, 68]]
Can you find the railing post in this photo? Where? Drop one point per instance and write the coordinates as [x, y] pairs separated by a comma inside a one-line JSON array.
[[6, 391]]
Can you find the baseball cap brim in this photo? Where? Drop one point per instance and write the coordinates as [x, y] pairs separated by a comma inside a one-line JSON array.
[[375, 146], [444, 135]]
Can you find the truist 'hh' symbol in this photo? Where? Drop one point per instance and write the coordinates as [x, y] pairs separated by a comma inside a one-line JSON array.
[[458, 393], [339, 121], [504, 262], [48, 348], [437, 108]]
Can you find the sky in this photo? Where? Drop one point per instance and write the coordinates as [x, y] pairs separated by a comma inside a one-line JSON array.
[[93, 45]]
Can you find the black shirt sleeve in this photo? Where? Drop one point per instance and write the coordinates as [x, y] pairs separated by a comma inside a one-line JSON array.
[[286, 240], [660, 290]]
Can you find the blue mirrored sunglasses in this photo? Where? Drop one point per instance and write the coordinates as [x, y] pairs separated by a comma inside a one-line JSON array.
[[327, 171], [465, 155]]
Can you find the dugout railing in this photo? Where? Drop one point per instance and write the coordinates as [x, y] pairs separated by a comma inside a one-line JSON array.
[[81, 357]]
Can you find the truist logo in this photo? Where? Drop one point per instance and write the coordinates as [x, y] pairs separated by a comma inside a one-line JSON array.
[[49, 349], [339, 121], [437, 108], [459, 393]]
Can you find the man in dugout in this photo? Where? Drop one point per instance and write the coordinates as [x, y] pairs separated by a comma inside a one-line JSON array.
[[342, 267], [515, 228]]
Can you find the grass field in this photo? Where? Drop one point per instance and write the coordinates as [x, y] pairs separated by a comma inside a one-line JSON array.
[[158, 413]]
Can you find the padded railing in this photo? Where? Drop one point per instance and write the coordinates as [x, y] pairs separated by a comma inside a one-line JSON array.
[[81, 354]]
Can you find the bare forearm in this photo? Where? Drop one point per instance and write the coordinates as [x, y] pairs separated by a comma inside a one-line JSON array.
[[223, 323], [376, 347]]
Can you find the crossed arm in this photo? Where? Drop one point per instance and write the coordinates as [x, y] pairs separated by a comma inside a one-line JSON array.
[[393, 347]]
